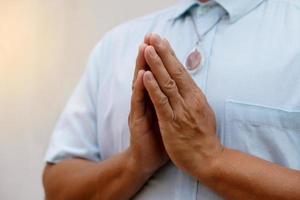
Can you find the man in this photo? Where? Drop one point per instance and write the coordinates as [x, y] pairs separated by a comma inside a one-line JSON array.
[[214, 109]]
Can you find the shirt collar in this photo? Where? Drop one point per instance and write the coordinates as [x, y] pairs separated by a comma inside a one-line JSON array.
[[234, 8]]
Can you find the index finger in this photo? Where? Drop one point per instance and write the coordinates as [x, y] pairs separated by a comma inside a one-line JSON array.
[[141, 63]]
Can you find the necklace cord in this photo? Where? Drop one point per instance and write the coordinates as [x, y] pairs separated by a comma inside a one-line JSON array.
[[199, 36]]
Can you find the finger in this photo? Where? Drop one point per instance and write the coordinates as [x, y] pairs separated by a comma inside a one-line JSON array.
[[138, 96], [147, 38], [159, 99], [172, 64], [166, 83], [140, 62]]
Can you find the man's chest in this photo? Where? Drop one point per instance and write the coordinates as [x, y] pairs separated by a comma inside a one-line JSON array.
[[249, 81], [256, 70]]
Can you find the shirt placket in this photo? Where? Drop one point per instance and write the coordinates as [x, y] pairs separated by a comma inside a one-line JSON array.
[[205, 20]]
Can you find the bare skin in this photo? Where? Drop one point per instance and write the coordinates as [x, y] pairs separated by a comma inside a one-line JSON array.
[[121, 176], [188, 129]]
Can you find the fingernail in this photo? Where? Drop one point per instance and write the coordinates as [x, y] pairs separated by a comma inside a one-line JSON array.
[[152, 52], [141, 72], [147, 36], [157, 37], [142, 48], [149, 76]]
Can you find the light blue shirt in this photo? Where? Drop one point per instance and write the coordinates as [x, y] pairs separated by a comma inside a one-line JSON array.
[[251, 78]]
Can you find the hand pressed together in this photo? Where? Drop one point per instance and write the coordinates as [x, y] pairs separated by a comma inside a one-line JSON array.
[[186, 122], [146, 151]]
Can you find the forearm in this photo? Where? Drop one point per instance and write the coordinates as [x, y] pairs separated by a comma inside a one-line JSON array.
[[236, 175], [114, 178]]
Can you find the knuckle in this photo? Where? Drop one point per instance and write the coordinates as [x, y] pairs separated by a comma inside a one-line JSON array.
[[172, 52], [170, 84], [162, 100], [180, 72], [156, 62]]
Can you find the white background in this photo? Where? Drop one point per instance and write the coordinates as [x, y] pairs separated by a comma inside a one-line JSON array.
[[44, 45]]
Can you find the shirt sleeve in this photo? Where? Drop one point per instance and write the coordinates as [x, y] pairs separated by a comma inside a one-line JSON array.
[[75, 134]]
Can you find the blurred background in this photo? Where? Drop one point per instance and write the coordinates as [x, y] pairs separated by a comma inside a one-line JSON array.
[[44, 46]]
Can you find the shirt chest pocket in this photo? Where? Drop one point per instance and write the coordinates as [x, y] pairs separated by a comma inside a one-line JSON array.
[[269, 133]]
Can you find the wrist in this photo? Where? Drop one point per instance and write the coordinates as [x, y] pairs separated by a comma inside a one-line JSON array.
[[211, 166], [135, 167]]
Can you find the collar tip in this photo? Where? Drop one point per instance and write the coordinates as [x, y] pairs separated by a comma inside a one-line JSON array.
[[233, 19]]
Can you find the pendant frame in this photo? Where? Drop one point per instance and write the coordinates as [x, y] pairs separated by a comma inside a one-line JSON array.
[[197, 48]]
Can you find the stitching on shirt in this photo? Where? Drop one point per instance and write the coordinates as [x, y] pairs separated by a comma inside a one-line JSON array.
[[250, 122]]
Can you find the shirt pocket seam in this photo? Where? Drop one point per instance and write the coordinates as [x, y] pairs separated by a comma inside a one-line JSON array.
[[262, 124], [255, 114]]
